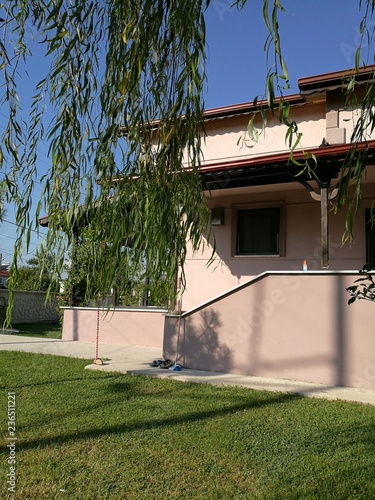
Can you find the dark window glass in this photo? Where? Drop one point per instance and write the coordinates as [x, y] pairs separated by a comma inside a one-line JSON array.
[[258, 231], [370, 240]]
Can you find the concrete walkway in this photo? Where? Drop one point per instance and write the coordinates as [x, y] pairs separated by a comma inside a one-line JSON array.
[[135, 360]]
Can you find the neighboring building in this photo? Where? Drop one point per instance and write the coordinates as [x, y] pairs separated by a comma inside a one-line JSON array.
[[255, 310], [4, 275]]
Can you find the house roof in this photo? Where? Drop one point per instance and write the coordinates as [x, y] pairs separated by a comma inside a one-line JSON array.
[[335, 79], [276, 168], [308, 85], [248, 107]]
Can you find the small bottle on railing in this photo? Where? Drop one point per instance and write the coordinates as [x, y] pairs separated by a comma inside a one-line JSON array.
[[304, 266]]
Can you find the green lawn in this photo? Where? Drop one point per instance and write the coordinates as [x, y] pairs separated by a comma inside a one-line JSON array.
[[46, 330], [92, 435]]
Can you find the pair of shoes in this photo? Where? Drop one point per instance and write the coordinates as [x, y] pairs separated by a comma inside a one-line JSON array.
[[166, 364], [156, 363]]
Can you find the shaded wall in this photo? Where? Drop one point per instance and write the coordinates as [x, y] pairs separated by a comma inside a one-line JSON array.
[[130, 326], [302, 237], [286, 325], [30, 307]]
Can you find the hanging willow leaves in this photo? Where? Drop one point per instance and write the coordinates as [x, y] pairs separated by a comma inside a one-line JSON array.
[[277, 81], [124, 83], [122, 86], [354, 168]]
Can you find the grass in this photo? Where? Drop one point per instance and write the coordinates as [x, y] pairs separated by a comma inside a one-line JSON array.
[[91, 435], [45, 330]]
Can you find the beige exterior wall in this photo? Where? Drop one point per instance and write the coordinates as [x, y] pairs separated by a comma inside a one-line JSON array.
[[227, 138], [130, 326], [224, 139], [324, 116], [286, 325]]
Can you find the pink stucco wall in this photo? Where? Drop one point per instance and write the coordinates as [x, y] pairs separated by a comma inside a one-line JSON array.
[[131, 326], [302, 236], [286, 325]]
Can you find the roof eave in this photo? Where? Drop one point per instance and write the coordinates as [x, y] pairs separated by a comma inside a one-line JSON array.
[[335, 79], [333, 151]]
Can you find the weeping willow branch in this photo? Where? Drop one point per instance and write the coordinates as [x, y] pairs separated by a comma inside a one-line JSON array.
[[120, 102], [354, 169], [277, 82], [112, 64]]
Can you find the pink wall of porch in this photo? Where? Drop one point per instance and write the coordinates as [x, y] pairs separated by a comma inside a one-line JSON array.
[[286, 325], [131, 326]]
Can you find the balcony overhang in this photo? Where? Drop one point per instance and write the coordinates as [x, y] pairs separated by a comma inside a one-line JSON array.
[[279, 168]]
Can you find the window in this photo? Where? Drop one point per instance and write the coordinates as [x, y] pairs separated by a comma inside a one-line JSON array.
[[370, 239], [258, 231]]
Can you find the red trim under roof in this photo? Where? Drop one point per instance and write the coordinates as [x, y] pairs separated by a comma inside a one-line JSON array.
[[327, 151], [249, 107]]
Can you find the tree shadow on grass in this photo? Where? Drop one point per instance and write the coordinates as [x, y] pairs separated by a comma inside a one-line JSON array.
[[151, 424], [54, 381], [112, 393], [51, 330]]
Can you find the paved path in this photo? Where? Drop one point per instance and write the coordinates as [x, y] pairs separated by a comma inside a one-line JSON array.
[[135, 360]]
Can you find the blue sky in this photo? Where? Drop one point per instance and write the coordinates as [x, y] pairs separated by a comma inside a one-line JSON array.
[[317, 36]]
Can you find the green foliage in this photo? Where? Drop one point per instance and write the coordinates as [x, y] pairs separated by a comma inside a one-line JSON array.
[[123, 81], [354, 165], [136, 289], [364, 290], [277, 82], [2, 198], [130, 286], [104, 126], [36, 275]]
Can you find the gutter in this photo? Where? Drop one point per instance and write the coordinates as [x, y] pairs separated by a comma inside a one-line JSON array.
[[320, 152], [324, 81]]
